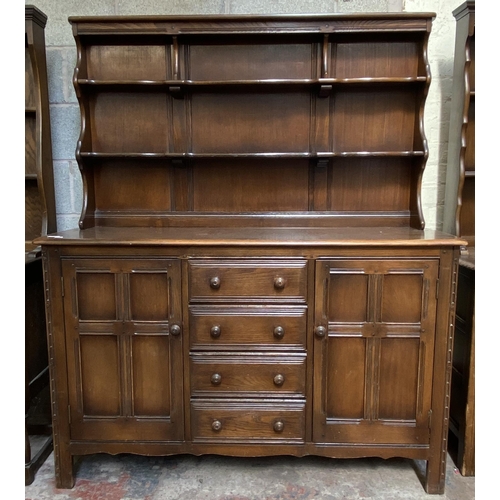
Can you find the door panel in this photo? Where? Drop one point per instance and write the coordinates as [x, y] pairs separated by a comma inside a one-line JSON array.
[[373, 361], [346, 377], [100, 375], [398, 378], [149, 296], [125, 368], [151, 375], [95, 294], [402, 298], [348, 295]]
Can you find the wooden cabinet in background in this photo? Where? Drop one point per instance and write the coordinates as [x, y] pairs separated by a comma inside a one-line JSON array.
[[459, 219], [251, 275], [40, 219]]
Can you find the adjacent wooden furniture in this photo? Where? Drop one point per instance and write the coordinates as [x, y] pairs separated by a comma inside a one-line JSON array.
[[40, 219], [251, 275], [460, 220]]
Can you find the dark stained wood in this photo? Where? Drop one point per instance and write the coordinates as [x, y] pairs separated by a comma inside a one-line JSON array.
[[251, 276], [122, 322], [250, 184], [40, 219], [459, 219], [379, 355], [291, 93], [462, 405], [459, 196]]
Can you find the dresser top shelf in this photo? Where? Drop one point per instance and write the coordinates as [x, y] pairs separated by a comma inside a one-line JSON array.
[[259, 24], [256, 236]]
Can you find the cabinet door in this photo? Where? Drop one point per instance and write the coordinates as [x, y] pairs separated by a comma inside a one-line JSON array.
[[124, 348], [373, 350]]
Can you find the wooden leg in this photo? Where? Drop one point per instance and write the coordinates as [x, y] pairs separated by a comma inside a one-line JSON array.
[[64, 468], [29, 475], [434, 478]]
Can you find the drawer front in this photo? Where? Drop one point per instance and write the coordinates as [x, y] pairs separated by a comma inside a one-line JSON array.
[[253, 327], [249, 280], [248, 423], [248, 375]]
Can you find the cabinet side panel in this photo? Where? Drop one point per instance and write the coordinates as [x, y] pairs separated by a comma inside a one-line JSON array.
[[30, 144], [29, 81], [468, 211], [33, 210], [470, 137]]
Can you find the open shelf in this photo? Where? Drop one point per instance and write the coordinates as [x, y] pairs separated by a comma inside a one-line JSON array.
[[185, 109], [325, 154], [264, 82]]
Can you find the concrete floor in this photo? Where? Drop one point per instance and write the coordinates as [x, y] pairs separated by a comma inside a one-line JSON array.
[[129, 477]]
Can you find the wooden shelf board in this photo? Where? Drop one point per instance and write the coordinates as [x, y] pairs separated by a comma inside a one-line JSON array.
[[325, 154], [251, 236], [270, 81]]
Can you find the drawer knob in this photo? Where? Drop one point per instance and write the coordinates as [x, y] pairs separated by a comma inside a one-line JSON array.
[[279, 283], [215, 331], [278, 426], [279, 332], [175, 330], [216, 425], [216, 379], [279, 379], [215, 283], [320, 331]]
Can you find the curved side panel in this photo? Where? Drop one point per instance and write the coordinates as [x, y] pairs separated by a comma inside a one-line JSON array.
[[417, 216], [88, 205], [463, 137]]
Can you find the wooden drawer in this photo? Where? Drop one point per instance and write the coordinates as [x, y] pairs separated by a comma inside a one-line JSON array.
[[248, 280], [236, 422], [248, 375], [251, 327]]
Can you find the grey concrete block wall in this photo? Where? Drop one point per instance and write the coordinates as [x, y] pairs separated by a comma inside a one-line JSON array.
[[65, 114]]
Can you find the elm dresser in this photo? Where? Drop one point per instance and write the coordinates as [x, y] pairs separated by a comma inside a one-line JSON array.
[[251, 275], [40, 219]]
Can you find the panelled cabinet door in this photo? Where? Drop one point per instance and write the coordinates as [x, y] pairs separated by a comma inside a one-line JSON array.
[[124, 345], [373, 350]]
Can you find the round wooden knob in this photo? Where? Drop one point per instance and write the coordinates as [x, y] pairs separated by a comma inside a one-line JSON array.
[[175, 330], [215, 331], [278, 426], [279, 283], [279, 332], [215, 283], [216, 425], [279, 379], [320, 331], [216, 379]]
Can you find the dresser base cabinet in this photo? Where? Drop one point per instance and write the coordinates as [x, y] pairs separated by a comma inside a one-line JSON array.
[[163, 349]]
